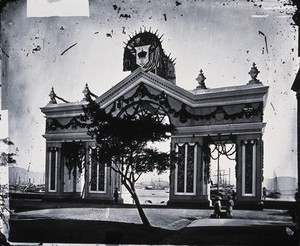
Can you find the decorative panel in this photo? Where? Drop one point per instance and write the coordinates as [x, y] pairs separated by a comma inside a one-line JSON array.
[[101, 177], [52, 170], [97, 172], [190, 169], [185, 170], [181, 168], [248, 168], [93, 170]]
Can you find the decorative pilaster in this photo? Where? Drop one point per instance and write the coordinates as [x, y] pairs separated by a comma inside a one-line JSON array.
[[53, 168], [185, 172], [248, 167], [97, 172]]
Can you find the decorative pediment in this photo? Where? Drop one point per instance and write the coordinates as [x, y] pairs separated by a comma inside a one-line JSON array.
[[141, 98], [143, 91], [178, 102]]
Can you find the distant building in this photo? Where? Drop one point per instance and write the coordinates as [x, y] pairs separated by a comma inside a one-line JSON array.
[[202, 117]]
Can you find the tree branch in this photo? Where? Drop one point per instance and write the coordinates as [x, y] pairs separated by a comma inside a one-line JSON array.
[[139, 175]]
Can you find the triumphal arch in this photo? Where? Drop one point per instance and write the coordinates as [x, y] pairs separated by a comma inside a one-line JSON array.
[[203, 118]]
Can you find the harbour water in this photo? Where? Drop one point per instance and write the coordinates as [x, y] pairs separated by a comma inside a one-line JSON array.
[[161, 197], [154, 197]]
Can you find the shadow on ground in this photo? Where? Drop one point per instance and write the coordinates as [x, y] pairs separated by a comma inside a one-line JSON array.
[[75, 231], [231, 235]]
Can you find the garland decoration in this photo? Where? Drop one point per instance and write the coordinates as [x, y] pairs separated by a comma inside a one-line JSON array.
[[219, 148], [247, 112], [53, 124], [183, 114]]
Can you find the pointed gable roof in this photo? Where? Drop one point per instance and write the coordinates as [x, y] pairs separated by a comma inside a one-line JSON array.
[[196, 98]]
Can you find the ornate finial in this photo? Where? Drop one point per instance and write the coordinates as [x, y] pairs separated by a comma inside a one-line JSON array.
[[200, 80], [253, 73], [87, 94], [52, 96]]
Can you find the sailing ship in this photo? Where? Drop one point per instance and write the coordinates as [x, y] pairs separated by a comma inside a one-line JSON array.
[[276, 192]]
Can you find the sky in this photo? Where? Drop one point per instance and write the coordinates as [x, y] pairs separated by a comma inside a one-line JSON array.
[[223, 38]]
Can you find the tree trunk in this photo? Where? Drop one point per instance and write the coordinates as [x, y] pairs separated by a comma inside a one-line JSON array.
[[140, 210], [130, 187]]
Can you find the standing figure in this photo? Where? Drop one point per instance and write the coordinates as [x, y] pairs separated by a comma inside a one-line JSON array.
[[229, 207], [217, 211], [233, 194], [264, 193], [116, 195]]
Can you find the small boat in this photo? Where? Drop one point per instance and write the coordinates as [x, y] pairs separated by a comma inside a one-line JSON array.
[[274, 194], [149, 187]]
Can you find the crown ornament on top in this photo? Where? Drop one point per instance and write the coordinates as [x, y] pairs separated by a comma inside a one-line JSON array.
[[201, 78], [145, 50], [142, 54], [253, 73]]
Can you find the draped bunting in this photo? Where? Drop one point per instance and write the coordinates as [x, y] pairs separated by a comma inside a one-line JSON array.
[[183, 114], [219, 148]]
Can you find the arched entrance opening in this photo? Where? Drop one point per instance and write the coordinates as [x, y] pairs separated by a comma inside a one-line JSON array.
[[223, 169], [152, 188], [73, 159]]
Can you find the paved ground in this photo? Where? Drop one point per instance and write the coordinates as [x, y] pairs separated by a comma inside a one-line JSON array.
[[166, 218], [121, 225]]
